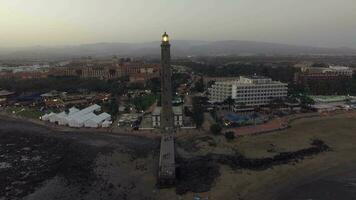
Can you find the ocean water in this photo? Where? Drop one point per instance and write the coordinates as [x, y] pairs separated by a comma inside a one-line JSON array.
[[336, 187]]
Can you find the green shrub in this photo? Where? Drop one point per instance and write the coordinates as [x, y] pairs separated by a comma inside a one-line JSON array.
[[215, 129], [230, 135]]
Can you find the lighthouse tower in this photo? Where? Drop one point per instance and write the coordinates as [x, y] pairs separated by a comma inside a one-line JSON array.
[[166, 172], [167, 123]]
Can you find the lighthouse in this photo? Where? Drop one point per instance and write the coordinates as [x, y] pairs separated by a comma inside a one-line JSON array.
[[167, 123]]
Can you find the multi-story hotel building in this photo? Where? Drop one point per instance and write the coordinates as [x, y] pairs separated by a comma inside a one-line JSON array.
[[324, 80], [324, 73], [248, 91], [137, 72]]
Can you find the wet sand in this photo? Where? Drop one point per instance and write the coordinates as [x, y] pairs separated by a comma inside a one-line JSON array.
[[326, 176], [338, 183]]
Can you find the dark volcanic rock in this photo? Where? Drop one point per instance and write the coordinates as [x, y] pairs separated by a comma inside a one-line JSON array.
[[29, 160], [239, 161], [39, 163], [196, 174]]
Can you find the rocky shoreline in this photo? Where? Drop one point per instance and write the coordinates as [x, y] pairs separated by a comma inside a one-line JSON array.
[[33, 156]]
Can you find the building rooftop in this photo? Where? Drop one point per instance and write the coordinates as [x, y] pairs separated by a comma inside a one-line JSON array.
[[339, 67], [256, 77], [327, 69], [157, 111], [6, 93], [85, 111], [101, 117], [329, 99], [177, 110]]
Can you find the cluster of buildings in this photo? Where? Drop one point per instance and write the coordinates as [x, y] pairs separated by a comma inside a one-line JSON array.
[[324, 80], [324, 73], [105, 70], [61, 100], [332, 103], [255, 91], [80, 118], [5, 96], [136, 72], [53, 100], [248, 91], [25, 72]]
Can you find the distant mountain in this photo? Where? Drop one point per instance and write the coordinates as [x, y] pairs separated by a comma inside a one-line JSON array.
[[249, 47], [179, 48]]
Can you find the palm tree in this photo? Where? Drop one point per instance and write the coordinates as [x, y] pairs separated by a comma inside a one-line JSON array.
[[306, 101], [229, 101], [256, 109], [241, 104], [275, 103]]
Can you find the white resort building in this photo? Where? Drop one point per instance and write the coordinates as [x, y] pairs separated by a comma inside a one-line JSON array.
[[249, 91]]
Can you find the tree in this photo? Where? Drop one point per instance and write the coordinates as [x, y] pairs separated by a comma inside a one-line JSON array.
[[114, 107], [306, 101], [144, 102], [154, 85], [229, 101], [199, 86], [198, 112], [319, 65], [352, 90], [178, 79], [295, 90], [210, 83], [230, 135], [280, 71], [215, 129], [256, 110], [276, 103], [117, 88], [67, 84], [241, 104]]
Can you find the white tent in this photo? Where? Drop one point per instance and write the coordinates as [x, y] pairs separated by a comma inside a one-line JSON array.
[[63, 120], [47, 116], [73, 110], [78, 121], [97, 121], [85, 111], [44, 117], [76, 117], [56, 117], [51, 117], [106, 124]]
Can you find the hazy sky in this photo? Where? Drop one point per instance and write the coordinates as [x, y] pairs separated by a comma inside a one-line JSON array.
[[330, 23]]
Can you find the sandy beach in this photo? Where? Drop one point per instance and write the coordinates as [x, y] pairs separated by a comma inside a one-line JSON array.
[[282, 181]]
